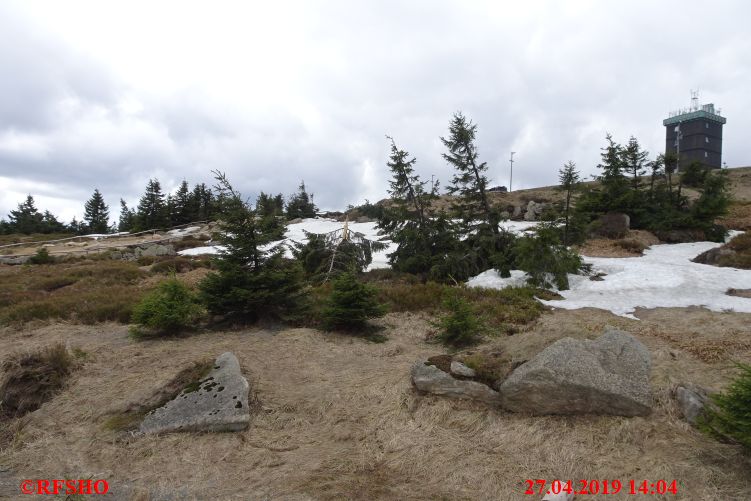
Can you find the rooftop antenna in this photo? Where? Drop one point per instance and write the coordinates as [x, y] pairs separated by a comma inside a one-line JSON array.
[[511, 178], [694, 100]]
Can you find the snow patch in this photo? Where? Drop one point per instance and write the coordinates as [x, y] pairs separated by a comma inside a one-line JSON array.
[[295, 233], [663, 277]]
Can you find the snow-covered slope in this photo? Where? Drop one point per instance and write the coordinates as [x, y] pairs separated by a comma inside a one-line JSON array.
[[663, 277]]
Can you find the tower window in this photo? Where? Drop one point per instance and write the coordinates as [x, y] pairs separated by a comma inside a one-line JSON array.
[[706, 154], [706, 140], [706, 125]]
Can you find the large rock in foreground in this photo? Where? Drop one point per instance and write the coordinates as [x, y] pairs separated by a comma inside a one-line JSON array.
[[220, 403], [609, 375], [431, 379]]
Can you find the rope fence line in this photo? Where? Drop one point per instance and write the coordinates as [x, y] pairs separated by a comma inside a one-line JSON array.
[[99, 248], [104, 235]]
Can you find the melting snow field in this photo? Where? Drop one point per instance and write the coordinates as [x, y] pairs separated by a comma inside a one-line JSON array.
[[663, 277], [296, 233]]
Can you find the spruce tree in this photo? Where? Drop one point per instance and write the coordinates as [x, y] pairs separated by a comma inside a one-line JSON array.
[[351, 304], [300, 205], [50, 224], [127, 218], [202, 206], [26, 218], [77, 227], [730, 416], [270, 215], [424, 243], [152, 210], [486, 245], [252, 279], [96, 214], [180, 210], [469, 183], [634, 162], [568, 176], [614, 182]]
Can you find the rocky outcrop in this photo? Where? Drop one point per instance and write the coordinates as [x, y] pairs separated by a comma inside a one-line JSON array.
[[534, 211], [14, 259], [613, 225], [154, 251], [219, 403], [713, 256], [609, 375], [431, 379]]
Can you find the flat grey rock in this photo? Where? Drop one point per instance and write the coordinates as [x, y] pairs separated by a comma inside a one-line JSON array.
[[609, 375], [219, 404], [460, 369], [431, 379]]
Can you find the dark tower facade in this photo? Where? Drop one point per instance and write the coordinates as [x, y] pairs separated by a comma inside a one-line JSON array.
[[695, 135]]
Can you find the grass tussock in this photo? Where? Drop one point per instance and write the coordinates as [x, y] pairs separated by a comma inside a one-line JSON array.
[[741, 258], [179, 264], [189, 242], [631, 245], [501, 311], [32, 379], [84, 291], [187, 379]]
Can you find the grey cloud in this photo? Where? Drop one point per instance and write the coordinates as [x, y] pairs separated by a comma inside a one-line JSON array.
[[547, 81]]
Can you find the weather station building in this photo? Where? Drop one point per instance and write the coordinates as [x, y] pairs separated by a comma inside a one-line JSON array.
[[694, 134]]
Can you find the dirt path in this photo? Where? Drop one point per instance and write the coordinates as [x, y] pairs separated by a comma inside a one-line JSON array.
[[338, 418]]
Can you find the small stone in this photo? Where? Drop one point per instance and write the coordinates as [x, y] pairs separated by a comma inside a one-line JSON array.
[[691, 399], [561, 496], [460, 369], [431, 379]]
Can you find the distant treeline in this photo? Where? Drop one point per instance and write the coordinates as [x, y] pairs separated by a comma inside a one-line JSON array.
[[155, 210]]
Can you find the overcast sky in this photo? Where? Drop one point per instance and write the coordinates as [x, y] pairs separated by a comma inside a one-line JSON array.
[[108, 94]]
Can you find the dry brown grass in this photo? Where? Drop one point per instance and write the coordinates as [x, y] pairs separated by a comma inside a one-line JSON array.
[[340, 420], [83, 291], [634, 244], [738, 217], [30, 379]]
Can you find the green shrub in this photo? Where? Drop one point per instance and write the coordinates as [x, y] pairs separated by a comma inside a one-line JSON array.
[[42, 256], [546, 260], [731, 415], [694, 175], [461, 326], [351, 304], [169, 309]]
